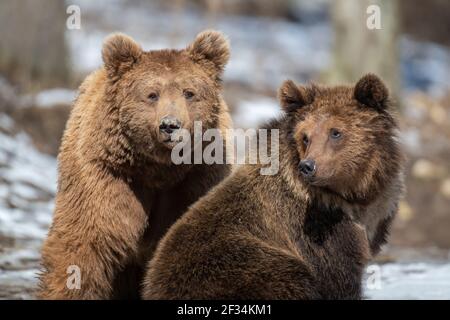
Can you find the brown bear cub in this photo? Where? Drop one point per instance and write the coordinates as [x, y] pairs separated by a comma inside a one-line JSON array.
[[118, 189], [306, 232]]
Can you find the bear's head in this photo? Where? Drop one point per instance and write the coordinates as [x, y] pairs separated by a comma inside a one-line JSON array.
[[344, 138], [159, 92]]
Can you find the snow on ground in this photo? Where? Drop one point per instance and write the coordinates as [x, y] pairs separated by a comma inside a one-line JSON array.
[[52, 97], [261, 59], [27, 189], [417, 280]]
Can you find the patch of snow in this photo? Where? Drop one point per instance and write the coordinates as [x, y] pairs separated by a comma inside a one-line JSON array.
[[412, 281], [24, 191], [283, 50], [253, 113], [25, 164], [27, 189], [86, 49], [18, 256], [16, 277], [4, 191], [21, 224], [52, 97]]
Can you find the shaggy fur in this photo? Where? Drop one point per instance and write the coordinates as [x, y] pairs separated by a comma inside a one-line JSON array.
[[118, 191], [285, 236]]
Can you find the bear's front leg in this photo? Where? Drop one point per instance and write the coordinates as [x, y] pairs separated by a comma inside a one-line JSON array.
[[95, 233]]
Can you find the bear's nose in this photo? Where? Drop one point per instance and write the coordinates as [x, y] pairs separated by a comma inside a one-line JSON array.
[[169, 124], [307, 167]]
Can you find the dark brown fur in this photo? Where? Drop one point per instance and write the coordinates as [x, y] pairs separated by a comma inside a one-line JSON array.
[[118, 191], [284, 237]]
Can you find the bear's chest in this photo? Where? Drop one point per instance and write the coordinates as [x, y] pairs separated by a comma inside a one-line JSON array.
[[336, 249]]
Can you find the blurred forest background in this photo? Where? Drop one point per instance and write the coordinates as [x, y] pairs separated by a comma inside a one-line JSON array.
[[42, 63]]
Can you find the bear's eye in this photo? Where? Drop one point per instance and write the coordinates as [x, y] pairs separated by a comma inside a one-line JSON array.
[[335, 134], [188, 94], [305, 140], [153, 97]]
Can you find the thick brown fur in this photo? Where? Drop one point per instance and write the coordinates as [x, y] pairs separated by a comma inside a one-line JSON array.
[[118, 191], [285, 236]]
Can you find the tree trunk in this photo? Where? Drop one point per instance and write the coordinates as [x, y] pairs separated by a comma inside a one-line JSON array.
[[33, 51], [358, 49]]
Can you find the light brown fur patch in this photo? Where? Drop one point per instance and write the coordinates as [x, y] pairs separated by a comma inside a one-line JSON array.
[[118, 191]]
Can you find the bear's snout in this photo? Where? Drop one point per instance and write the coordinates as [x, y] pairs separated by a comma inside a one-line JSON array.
[[307, 168], [169, 124]]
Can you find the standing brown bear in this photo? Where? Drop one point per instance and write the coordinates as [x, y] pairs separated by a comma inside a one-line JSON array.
[[307, 232], [118, 190]]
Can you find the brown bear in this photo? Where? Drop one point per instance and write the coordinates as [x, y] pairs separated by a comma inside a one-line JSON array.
[[306, 232], [118, 190]]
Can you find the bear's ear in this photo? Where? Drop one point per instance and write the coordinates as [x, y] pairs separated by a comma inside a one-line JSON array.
[[119, 53], [371, 91], [212, 50], [293, 97]]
